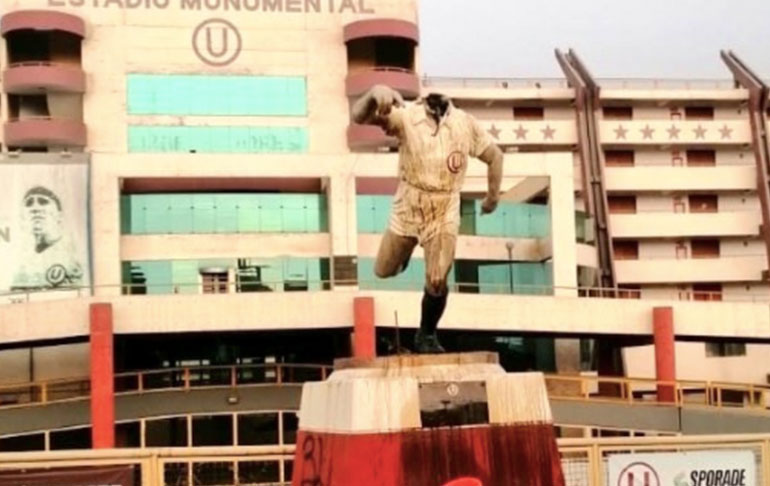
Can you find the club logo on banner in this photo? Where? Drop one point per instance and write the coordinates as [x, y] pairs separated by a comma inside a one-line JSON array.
[[44, 225], [698, 468]]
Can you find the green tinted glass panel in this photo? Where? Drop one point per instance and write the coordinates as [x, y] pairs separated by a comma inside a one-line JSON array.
[[226, 213], [181, 214], [412, 279], [217, 139], [510, 219], [253, 275], [518, 278], [580, 227], [230, 95], [223, 213], [373, 213]]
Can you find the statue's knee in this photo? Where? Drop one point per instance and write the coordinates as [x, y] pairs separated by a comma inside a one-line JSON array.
[[436, 286]]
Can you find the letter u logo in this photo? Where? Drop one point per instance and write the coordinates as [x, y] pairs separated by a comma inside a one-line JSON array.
[[216, 42], [210, 45]]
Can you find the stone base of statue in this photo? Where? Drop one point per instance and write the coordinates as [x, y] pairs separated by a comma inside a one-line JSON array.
[[426, 420]]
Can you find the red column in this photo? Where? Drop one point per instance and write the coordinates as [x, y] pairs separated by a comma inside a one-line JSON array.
[[665, 354], [363, 328], [102, 378]]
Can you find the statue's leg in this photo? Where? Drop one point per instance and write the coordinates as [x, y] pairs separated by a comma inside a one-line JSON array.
[[439, 256], [393, 255]]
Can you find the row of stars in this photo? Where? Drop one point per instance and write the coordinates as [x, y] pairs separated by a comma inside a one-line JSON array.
[[673, 132], [521, 132], [620, 132]]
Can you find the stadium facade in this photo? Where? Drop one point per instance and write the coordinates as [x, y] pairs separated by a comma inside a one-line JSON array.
[[185, 176]]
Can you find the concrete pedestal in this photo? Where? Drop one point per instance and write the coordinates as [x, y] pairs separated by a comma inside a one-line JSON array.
[[426, 421]]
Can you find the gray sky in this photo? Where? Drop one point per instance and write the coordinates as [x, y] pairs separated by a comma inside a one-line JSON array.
[[616, 38]]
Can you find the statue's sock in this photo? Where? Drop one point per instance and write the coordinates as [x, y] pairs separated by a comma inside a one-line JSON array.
[[432, 309]]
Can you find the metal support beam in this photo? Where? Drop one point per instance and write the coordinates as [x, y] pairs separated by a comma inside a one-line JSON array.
[[592, 157], [758, 101]]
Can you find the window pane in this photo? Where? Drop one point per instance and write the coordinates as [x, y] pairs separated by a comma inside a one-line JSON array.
[[181, 213], [175, 474], [270, 215], [213, 473], [197, 94], [212, 430], [217, 139], [156, 214], [290, 425], [71, 439], [259, 472], [20, 443], [258, 429], [170, 432], [127, 435], [226, 213]]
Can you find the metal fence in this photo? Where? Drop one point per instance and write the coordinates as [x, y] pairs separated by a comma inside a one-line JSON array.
[[584, 461]]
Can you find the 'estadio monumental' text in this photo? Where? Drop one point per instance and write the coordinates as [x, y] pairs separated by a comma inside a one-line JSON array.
[[289, 6]]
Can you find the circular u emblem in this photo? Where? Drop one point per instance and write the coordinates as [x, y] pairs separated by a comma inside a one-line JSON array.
[[455, 162], [56, 275]]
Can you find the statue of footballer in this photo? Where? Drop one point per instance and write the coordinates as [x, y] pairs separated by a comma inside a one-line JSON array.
[[436, 140]]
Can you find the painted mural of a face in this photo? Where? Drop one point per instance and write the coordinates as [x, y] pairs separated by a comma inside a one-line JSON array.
[[42, 213]]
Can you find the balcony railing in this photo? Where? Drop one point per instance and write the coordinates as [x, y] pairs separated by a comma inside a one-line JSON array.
[[78, 388], [681, 178], [666, 223], [499, 83], [634, 391], [643, 83], [668, 269], [519, 289], [405, 81], [45, 130], [36, 76]]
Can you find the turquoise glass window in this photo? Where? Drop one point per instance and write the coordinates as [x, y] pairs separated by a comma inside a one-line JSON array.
[[216, 139], [209, 213], [226, 95], [524, 278], [509, 220], [412, 279], [248, 275]]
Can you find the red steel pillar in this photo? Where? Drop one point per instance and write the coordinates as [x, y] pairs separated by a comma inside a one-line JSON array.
[[363, 328], [665, 353], [102, 377]]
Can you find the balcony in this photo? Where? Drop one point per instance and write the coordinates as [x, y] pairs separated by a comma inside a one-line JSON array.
[[402, 80], [37, 77], [500, 89], [717, 90], [42, 20], [532, 133], [45, 131], [667, 132], [683, 225], [672, 270], [369, 28], [667, 178], [369, 137]]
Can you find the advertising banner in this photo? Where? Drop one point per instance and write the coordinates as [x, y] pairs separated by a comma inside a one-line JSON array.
[[696, 468], [44, 241]]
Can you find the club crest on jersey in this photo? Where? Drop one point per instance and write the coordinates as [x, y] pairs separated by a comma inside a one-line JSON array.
[[455, 161]]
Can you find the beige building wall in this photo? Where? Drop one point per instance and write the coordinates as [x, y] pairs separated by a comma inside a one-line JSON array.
[[692, 363]]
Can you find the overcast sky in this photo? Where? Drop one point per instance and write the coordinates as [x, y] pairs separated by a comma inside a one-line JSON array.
[[615, 38]]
